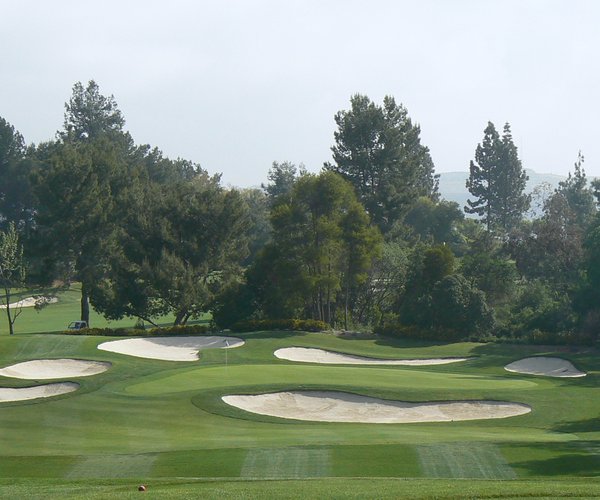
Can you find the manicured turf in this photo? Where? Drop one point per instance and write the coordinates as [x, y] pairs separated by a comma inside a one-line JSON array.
[[164, 423]]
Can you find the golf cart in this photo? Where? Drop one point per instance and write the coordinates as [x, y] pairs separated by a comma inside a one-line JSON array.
[[77, 325]]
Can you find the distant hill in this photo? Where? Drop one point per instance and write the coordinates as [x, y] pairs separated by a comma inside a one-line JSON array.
[[452, 184]]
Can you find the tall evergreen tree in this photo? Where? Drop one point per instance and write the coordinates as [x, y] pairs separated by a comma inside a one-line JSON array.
[[89, 114], [16, 199], [578, 195], [84, 172], [378, 149], [497, 181]]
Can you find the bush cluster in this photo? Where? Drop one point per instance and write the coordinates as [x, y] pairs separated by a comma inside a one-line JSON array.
[[306, 325], [138, 332], [540, 337], [537, 336], [417, 333]]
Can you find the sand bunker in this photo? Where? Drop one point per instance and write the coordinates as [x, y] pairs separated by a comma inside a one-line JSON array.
[[312, 355], [540, 365], [40, 391], [32, 302], [42, 369], [169, 348], [345, 407]]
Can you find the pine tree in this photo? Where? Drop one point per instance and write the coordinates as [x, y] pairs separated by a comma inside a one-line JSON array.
[[378, 149], [481, 172], [497, 181]]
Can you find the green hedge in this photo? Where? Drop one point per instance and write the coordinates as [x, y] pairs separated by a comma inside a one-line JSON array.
[[536, 337], [562, 338], [136, 332], [414, 332], [305, 325]]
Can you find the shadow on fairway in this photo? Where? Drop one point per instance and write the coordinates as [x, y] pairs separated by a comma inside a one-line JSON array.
[[588, 425], [577, 459], [393, 342], [275, 334]]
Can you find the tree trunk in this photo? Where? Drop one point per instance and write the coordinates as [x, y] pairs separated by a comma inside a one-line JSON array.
[[85, 305], [180, 317], [346, 309], [10, 323]]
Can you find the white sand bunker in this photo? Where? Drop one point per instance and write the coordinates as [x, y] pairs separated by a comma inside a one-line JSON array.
[[42, 369], [344, 407], [313, 355], [32, 302], [169, 348], [40, 391], [541, 365]]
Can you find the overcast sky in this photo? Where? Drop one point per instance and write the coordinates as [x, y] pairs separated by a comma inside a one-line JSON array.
[[235, 85]]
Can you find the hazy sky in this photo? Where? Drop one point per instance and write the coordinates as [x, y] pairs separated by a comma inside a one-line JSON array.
[[235, 85]]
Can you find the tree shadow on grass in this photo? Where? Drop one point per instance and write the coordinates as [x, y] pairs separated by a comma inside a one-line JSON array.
[[577, 426], [267, 334], [571, 459], [409, 343]]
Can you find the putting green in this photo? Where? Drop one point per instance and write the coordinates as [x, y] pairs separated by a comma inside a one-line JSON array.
[[383, 378]]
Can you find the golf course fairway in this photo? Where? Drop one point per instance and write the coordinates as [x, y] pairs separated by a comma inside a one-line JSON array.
[[165, 425]]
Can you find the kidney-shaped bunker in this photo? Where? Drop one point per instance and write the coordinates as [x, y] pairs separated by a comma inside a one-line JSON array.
[[330, 406]]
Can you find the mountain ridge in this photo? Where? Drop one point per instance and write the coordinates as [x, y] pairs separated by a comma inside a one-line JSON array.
[[453, 184]]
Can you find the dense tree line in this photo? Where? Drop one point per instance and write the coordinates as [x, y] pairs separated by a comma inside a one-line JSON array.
[[365, 243]]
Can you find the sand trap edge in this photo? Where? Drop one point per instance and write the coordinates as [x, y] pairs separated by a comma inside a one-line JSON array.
[[323, 356], [45, 391], [12, 371]]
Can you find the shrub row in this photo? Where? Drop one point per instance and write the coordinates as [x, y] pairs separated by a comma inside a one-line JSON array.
[[306, 325], [537, 337], [563, 338], [137, 332], [414, 332]]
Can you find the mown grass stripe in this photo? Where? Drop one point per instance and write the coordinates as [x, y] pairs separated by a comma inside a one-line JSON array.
[[112, 466], [286, 463], [464, 460]]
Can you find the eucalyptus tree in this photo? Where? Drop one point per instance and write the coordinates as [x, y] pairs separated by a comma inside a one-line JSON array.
[[551, 247], [323, 239]]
